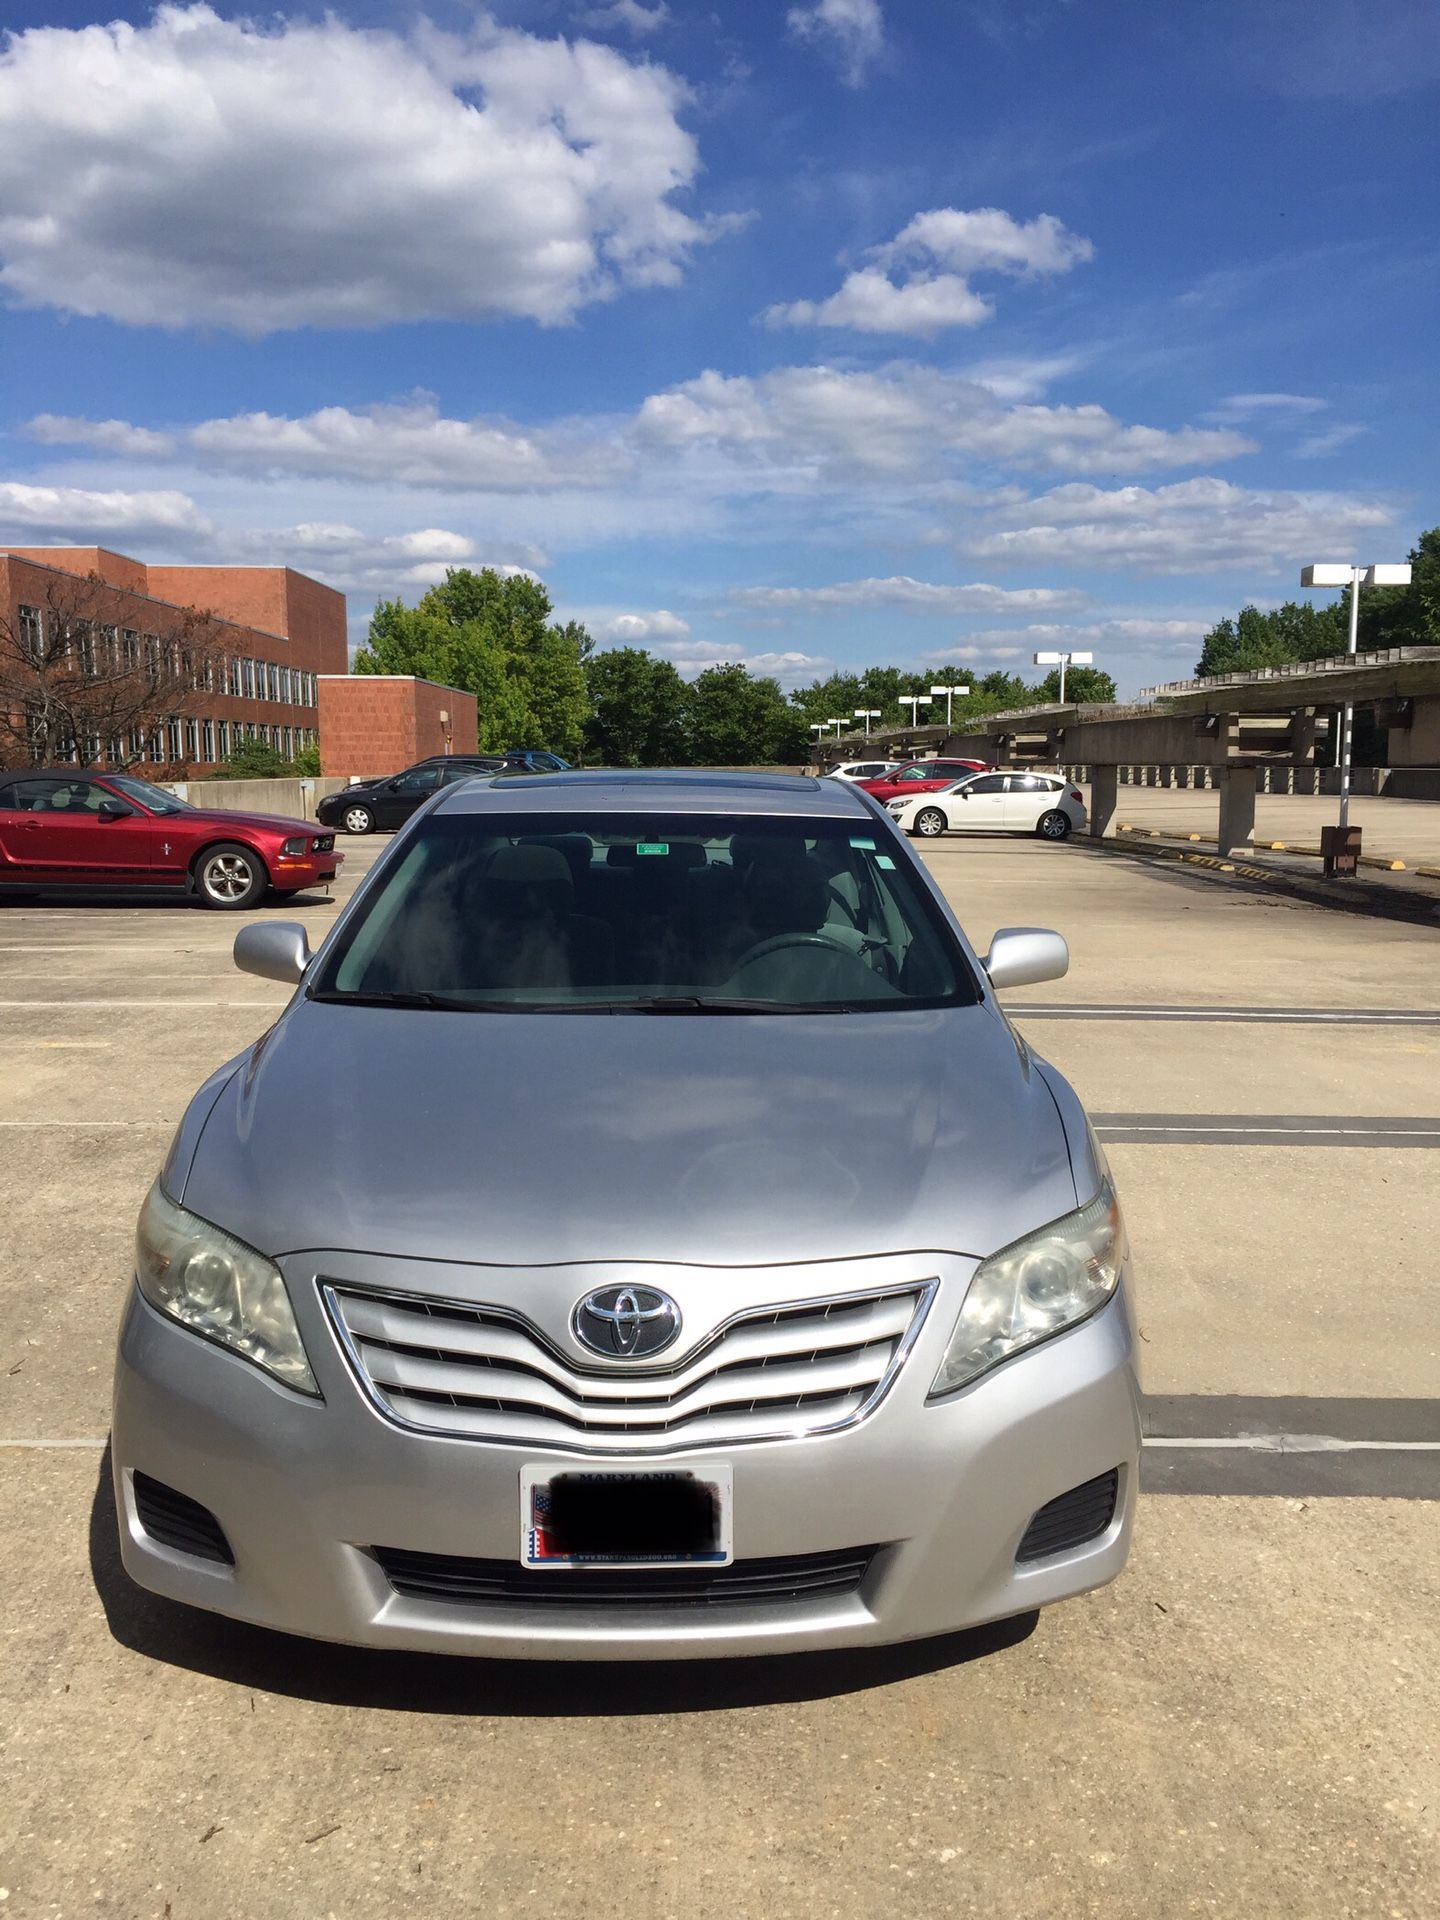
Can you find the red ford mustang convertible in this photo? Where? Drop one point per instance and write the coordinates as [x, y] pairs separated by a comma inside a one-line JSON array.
[[62, 827]]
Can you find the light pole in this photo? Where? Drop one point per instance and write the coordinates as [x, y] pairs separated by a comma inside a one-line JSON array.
[[914, 701], [867, 714], [837, 721], [1337, 574], [951, 694], [1064, 660]]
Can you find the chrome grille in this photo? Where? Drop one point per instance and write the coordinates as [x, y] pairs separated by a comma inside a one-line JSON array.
[[485, 1374]]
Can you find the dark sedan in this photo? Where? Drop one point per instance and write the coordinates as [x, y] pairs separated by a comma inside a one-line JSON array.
[[388, 802]]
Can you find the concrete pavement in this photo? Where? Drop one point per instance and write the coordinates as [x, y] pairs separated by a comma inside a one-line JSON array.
[[1244, 1724]]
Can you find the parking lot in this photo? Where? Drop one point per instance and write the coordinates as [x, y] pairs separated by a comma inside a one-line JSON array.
[[1245, 1724]]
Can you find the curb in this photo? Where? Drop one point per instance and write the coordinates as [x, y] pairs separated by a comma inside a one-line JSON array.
[[1277, 846]]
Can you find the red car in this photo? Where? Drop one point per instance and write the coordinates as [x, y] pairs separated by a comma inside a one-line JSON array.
[[69, 827], [921, 776]]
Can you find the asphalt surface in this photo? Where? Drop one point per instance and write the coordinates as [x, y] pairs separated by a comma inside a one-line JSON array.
[[1246, 1723]]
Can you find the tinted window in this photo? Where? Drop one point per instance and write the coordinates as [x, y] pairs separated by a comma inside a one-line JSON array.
[[1031, 783], [554, 913], [153, 798], [56, 795], [986, 783]]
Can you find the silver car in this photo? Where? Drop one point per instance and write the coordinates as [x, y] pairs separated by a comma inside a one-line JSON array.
[[533, 1287]]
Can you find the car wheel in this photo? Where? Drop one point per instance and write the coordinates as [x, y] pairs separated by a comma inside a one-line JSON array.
[[1053, 825], [358, 820], [928, 822], [230, 877]]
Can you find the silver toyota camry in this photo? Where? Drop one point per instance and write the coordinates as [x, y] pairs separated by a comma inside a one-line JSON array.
[[536, 1287]]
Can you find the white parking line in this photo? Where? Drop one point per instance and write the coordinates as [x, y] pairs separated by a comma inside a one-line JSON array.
[[86, 1123], [158, 1004], [1290, 1443]]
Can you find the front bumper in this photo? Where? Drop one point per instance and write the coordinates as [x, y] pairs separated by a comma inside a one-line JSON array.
[[305, 1490], [305, 870]]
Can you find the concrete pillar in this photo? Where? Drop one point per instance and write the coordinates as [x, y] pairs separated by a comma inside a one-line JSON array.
[[1104, 801], [1237, 809]]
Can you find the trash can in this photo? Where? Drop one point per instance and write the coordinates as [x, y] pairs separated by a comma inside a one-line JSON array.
[[1340, 848]]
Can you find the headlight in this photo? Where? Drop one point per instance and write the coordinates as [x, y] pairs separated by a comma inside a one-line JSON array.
[[1046, 1282], [298, 846], [218, 1287]]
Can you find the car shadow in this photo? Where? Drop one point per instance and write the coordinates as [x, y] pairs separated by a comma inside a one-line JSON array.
[[279, 1663], [153, 899]]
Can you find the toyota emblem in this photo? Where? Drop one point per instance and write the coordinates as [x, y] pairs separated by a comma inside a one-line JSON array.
[[627, 1323]]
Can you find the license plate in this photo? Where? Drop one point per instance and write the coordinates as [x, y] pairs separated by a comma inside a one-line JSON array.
[[626, 1516]]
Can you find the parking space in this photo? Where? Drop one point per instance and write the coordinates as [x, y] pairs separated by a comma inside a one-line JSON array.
[[1244, 1724]]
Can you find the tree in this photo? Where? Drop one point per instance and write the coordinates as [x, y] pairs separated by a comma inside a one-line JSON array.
[[1406, 616], [491, 635], [252, 760], [734, 719], [73, 682], [1083, 686], [637, 716], [1294, 631]]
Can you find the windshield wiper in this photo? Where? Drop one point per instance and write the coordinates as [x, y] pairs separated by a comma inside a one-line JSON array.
[[699, 1003], [427, 1001]]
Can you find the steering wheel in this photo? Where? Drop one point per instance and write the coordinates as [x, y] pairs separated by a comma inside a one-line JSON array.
[[782, 942]]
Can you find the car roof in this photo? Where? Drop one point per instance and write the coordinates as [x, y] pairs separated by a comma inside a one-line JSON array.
[[620, 790]]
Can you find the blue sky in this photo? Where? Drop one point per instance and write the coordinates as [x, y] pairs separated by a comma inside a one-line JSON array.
[[924, 332]]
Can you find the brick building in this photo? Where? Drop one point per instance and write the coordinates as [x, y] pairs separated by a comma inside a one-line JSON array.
[[372, 723], [274, 633]]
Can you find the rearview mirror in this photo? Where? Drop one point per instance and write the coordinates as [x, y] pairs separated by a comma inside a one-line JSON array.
[[277, 950], [1024, 956]]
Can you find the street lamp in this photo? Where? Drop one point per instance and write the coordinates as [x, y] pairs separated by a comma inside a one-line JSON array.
[[1337, 574], [951, 694], [837, 721], [914, 701], [1064, 660], [867, 714]]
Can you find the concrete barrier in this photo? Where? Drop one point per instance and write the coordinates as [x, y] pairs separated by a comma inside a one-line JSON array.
[[295, 799]]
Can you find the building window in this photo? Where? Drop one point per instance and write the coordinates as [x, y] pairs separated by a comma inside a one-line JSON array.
[[208, 736], [109, 649], [175, 742], [247, 675], [92, 749], [130, 647], [192, 740], [32, 632], [152, 658], [117, 751], [157, 748], [224, 739]]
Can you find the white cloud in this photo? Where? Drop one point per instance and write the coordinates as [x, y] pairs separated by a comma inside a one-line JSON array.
[[82, 517], [1316, 446], [986, 240], [907, 422], [626, 16], [634, 629], [199, 170], [1159, 634], [853, 31], [914, 596], [869, 302], [933, 255], [1250, 406], [104, 436], [1205, 525], [791, 669]]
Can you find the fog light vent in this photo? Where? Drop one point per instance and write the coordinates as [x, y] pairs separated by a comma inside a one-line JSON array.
[[1082, 1514], [177, 1521]]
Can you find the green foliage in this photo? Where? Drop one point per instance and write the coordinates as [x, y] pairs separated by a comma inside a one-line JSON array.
[[1389, 617], [307, 763], [733, 719], [637, 710], [253, 760], [491, 635], [1084, 686]]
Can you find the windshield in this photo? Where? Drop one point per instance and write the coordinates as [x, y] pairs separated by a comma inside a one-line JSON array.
[[154, 799], [648, 913]]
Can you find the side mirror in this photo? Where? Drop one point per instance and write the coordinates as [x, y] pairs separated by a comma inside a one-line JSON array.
[[274, 950], [114, 810], [1024, 956]]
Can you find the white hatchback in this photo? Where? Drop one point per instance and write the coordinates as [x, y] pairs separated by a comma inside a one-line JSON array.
[[864, 769], [1043, 803]]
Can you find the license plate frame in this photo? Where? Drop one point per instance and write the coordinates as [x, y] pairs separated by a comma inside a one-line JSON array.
[[540, 1550]]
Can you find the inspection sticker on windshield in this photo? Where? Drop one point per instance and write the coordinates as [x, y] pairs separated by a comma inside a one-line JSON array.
[[884, 860], [653, 846], [865, 846]]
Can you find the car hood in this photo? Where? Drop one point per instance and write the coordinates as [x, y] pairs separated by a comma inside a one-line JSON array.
[[724, 1140], [260, 822]]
